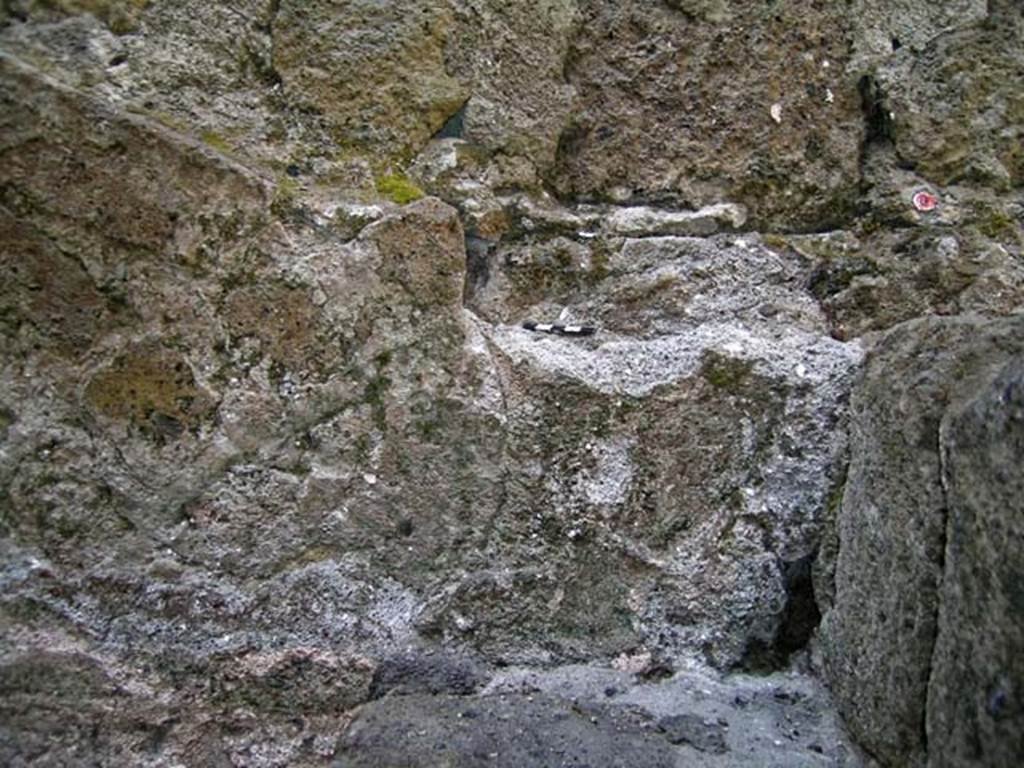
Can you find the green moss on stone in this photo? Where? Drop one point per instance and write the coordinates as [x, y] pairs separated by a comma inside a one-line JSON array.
[[216, 141], [169, 121], [286, 194], [311, 556], [995, 223], [154, 390], [725, 373], [835, 499], [398, 188], [362, 447]]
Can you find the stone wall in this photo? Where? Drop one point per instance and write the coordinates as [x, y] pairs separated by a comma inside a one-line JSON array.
[[268, 415], [921, 638]]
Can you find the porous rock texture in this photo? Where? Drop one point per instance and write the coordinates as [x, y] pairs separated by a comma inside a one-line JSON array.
[[922, 642], [284, 480], [974, 714]]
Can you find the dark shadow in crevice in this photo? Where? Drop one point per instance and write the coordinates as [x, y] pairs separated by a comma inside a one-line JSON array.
[[455, 125], [800, 618], [877, 116], [478, 266]]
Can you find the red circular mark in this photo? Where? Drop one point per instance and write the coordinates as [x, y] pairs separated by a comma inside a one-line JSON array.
[[925, 201]]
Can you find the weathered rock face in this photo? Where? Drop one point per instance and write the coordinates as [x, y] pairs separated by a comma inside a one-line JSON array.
[[913, 549], [619, 454], [547, 731], [255, 453], [883, 28], [272, 433], [957, 118], [974, 696], [375, 70], [699, 102], [520, 102], [343, 400]]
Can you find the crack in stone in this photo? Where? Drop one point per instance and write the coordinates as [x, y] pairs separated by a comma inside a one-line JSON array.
[[941, 568]]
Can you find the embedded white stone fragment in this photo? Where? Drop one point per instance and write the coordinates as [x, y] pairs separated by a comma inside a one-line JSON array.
[[639, 221], [613, 477]]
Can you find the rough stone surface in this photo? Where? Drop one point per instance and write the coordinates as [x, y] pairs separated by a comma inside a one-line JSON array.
[[975, 707], [435, 673], [898, 524], [695, 731], [957, 117], [676, 102], [508, 731], [646, 221], [519, 102], [872, 282], [274, 442], [585, 715], [885, 27], [623, 438], [375, 70]]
